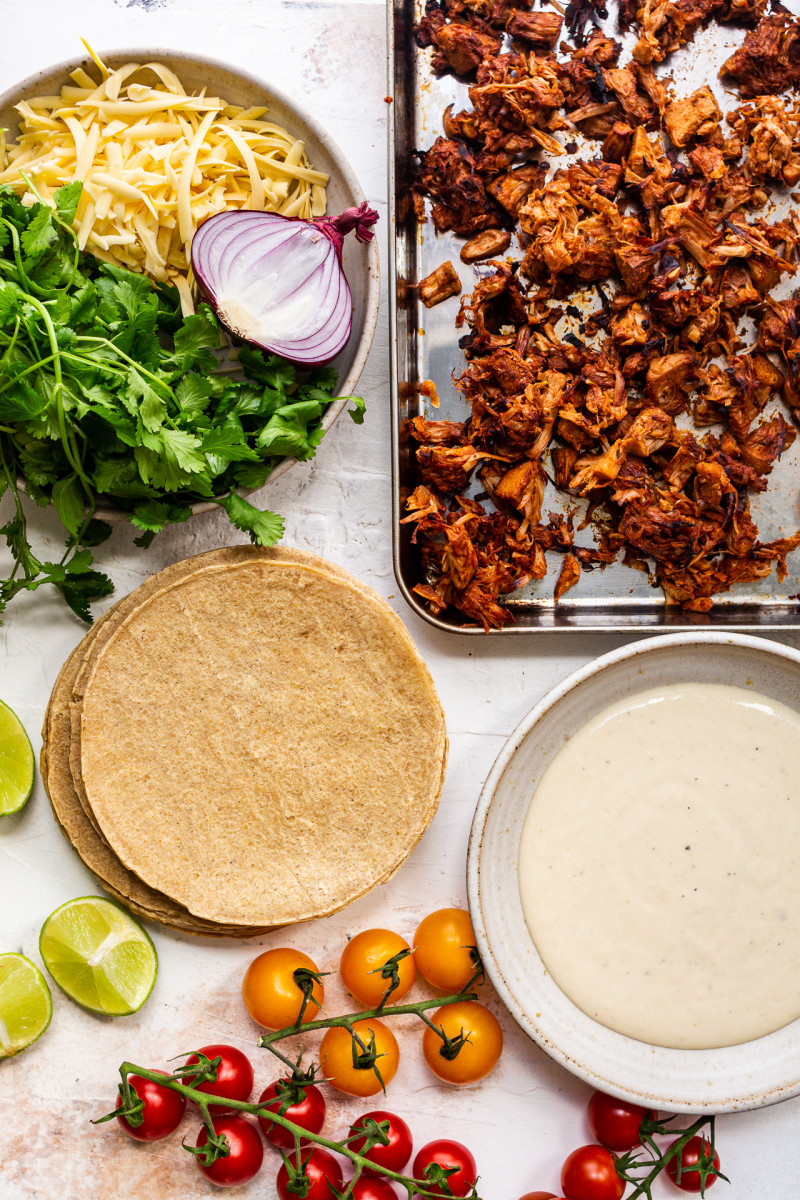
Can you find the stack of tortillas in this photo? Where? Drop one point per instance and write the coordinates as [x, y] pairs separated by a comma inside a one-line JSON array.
[[248, 739]]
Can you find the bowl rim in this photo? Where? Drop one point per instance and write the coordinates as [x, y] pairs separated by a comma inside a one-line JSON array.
[[758, 1097], [18, 91]]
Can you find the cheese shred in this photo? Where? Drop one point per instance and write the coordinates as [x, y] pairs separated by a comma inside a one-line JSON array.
[[154, 163]]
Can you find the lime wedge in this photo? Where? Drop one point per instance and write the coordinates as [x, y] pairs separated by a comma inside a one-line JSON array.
[[25, 1004], [99, 955], [16, 763]]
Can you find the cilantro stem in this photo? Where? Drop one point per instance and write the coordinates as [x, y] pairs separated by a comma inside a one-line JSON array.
[[67, 441], [18, 259], [137, 365], [11, 482], [11, 344], [43, 362]]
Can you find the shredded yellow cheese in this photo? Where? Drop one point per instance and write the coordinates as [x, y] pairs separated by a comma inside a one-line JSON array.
[[154, 163]]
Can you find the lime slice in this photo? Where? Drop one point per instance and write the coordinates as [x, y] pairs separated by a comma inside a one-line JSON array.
[[99, 955], [16, 763], [25, 1004]]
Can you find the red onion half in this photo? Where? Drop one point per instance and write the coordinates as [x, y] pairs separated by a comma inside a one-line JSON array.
[[278, 282]]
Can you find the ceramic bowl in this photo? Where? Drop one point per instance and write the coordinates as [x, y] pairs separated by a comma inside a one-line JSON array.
[[749, 1075], [360, 262]]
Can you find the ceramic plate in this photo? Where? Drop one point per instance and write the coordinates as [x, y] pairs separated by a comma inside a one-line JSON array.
[[360, 262], [749, 1075]]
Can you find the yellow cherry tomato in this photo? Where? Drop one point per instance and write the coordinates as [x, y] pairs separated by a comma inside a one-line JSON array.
[[273, 996], [444, 949], [338, 1057], [364, 958], [480, 1049]]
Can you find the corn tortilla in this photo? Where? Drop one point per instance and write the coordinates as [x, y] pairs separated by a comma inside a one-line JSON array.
[[71, 818], [260, 740], [154, 583]]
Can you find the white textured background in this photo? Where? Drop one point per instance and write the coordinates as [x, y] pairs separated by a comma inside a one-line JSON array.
[[521, 1123]]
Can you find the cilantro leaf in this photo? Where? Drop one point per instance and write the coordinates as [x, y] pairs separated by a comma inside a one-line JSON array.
[[41, 234], [358, 409], [15, 534], [120, 477], [69, 501], [79, 589], [227, 441], [19, 401], [9, 302], [152, 515], [83, 304], [95, 533], [251, 476], [194, 394], [287, 431], [169, 459], [152, 407], [195, 341], [67, 198], [264, 528]]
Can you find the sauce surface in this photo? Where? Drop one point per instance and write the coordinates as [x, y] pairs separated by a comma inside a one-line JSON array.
[[659, 866]]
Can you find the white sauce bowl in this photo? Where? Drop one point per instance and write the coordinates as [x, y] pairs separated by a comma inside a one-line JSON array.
[[749, 1075]]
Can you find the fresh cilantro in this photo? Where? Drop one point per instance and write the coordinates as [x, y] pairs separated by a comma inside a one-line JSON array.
[[152, 515], [141, 397], [67, 198], [358, 409], [265, 528], [41, 233], [193, 394], [69, 501], [108, 395]]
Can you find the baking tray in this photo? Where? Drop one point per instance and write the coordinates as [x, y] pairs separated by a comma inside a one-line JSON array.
[[424, 345]]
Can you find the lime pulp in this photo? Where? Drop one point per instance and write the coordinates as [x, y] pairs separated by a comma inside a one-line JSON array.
[[25, 1004], [99, 955], [16, 762]]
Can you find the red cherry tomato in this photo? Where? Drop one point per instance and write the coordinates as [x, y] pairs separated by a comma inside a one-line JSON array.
[[234, 1074], [163, 1111], [614, 1122], [246, 1152], [394, 1156], [687, 1179], [373, 1188], [321, 1169], [539, 1196], [590, 1173], [309, 1113], [448, 1154]]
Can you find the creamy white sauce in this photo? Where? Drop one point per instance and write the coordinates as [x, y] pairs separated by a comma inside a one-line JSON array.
[[659, 866]]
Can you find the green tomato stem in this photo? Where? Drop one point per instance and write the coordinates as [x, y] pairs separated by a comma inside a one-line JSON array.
[[416, 1186], [660, 1158], [348, 1020]]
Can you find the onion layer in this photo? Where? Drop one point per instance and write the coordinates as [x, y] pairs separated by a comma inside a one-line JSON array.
[[277, 282]]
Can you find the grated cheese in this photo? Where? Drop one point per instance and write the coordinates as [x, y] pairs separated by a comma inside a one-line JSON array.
[[154, 162]]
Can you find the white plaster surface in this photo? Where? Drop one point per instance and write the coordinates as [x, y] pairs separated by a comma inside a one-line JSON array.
[[330, 56]]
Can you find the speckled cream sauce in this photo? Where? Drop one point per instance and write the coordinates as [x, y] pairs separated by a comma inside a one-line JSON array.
[[660, 866]]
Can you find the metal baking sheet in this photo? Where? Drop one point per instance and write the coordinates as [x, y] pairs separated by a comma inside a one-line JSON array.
[[425, 346]]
